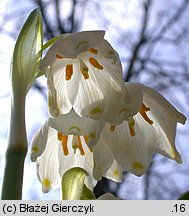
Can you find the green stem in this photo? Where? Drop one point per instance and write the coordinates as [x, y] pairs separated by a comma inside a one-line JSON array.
[[16, 150]]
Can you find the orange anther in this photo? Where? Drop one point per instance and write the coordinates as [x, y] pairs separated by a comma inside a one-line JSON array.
[[59, 136], [64, 139], [143, 111], [80, 146], [85, 73], [69, 71], [85, 138], [93, 50], [95, 63], [112, 128], [131, 124]]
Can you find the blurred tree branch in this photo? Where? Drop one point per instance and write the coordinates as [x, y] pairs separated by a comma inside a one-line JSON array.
[[141, 41]]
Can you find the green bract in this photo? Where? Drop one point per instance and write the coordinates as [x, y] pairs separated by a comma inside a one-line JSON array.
[[73, 187], [27, 53]]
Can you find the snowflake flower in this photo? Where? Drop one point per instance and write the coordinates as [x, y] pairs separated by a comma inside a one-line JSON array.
[[84, 73], [133, 143], [104, 149], [57, 147]]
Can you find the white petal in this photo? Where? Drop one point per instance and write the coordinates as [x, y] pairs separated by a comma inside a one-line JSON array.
[[50, 56], [93, 94], [48, 164], [75, 43], [77, 160], [160, 103], [94, 129], [134, 151], [131, 152], [39, 142], [103, 159], [59, 98], [165, 118], [71, 45], [121, 109], [108, 52], [99, 90], [115, 172], [70, 123]]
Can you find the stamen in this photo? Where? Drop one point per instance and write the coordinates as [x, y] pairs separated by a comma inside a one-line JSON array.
[[95, 63], [91, 149], [59, 136], [59, 56], [84, 70], [93, 50], [85, 138], [145, 108], [80, 146], [64, 141], [143, 111], [69, 71], [131, 124], [112, 128]]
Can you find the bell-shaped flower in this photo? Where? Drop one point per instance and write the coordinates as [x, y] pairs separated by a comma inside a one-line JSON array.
[[84, 73], [64, 142], [104, 149], [133, 143]]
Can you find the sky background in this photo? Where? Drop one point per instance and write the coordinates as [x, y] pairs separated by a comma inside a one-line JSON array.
[[122, 22]]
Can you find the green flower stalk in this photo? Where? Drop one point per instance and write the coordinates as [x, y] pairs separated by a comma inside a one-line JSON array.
[[24, 71]]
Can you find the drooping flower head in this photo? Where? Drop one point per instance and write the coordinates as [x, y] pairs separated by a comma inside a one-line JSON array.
[[133, 143], [84, 73], [57, 148], [104, 149]]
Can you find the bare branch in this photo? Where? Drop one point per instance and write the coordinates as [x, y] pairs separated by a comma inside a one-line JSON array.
[[141, 41]]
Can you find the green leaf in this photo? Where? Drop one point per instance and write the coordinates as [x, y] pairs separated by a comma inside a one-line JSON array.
[[45, 46], [27, 53], [73, 187], [50, 42], [184, 196]]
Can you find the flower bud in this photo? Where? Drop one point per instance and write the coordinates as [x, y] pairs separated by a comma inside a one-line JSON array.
[[27, 53]]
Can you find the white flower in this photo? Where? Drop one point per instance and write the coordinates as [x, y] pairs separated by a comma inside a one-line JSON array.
[[84, 73], [104, 149], [64, 142], [133, 142]]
